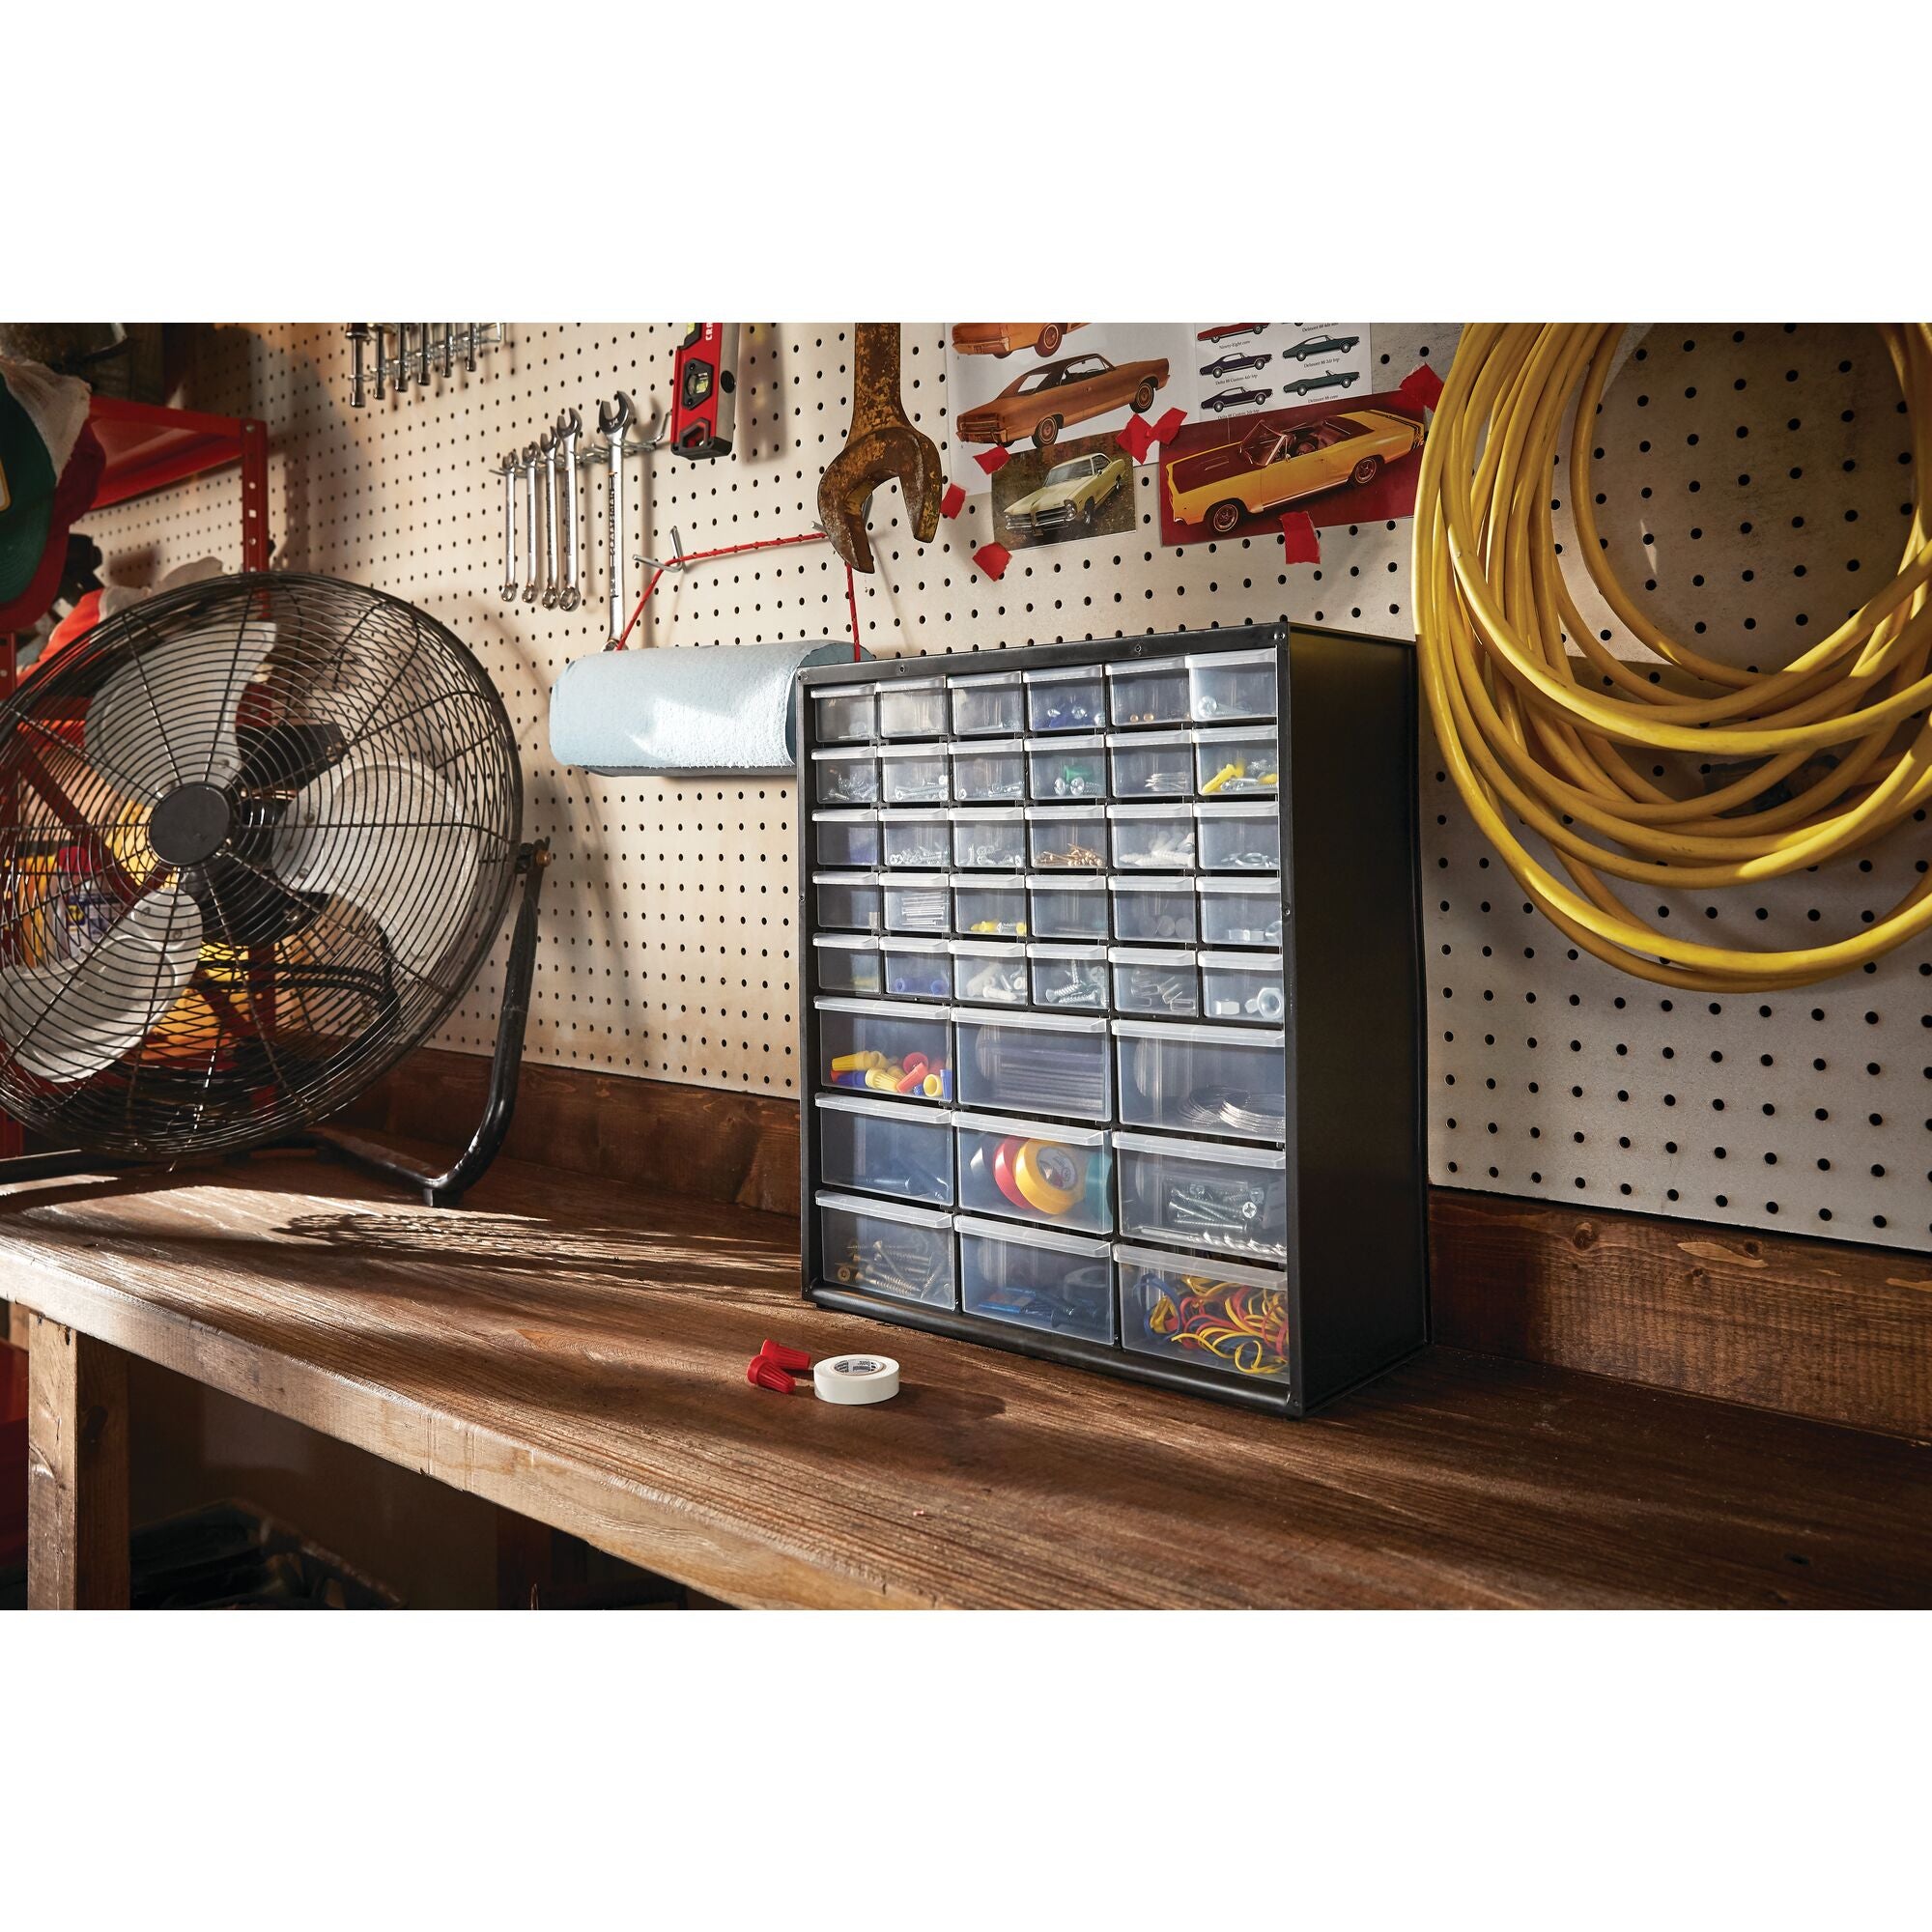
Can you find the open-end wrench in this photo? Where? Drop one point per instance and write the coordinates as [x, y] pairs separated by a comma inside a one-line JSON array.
[[881, 444], [547, 446], [402, 358], [507, 471], [530, 468], [614, 419], [424, 350], [569, 427]]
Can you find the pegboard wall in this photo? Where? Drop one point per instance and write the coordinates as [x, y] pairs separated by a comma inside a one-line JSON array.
[[1751, 487]]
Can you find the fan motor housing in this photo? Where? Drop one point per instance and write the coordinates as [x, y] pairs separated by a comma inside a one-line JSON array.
[[191, 823]]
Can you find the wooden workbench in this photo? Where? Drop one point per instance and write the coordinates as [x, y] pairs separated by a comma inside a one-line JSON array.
[[573, 1349]]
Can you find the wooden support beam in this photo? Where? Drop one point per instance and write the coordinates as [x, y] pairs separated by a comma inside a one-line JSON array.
[[76, 1470]]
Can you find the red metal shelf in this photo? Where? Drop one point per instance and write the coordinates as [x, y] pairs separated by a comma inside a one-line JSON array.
[[150, 447]]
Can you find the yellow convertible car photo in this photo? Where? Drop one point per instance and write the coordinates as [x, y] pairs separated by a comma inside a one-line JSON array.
[[1072, 492], [1268, 467]]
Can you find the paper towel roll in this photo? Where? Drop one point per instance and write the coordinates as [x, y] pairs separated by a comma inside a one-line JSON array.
[[722, 708]]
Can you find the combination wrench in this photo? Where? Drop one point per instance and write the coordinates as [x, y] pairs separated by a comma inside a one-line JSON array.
[[615, 420], [508, 472], [547, 446], [530, 469], [569, 426]]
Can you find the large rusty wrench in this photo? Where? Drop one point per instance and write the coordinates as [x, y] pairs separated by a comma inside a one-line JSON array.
[[881, 445]]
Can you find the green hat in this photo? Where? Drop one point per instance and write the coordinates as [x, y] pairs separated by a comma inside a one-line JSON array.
[[42, 416]]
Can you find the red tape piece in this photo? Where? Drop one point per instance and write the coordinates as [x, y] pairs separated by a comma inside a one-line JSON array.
[[1170, 421], [1137, 438], [993, 560], [954, 502], [991, 460], [1422, 385], [1299, 542]]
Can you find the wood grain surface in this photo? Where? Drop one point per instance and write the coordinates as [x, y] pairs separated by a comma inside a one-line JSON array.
[[78, 1556], [1808, 1327], [574, 1350]]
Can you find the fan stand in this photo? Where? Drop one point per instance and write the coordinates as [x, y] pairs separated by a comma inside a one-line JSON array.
[[437, 1190]]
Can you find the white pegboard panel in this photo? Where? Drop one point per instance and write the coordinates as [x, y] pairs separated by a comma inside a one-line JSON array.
[[670, 929]]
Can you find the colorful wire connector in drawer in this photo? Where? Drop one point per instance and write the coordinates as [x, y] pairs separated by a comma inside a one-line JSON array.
[[915, 1076]]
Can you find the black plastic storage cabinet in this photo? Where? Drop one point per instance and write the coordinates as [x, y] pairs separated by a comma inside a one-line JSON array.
[[1178, 1140]]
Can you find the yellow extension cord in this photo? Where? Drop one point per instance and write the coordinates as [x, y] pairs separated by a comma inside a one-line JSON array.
[[1524, 738]]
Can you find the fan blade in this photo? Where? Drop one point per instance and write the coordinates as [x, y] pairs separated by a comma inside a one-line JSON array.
[[166, 717], [384, 834], [68, 1021]]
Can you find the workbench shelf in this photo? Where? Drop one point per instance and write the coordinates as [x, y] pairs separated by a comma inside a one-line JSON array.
[[1143, 1092]]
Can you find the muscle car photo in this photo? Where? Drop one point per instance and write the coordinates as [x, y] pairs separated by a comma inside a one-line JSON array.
[[1269, 466], [1222, 331], [1074, 492], [1237, 365], [1235, 399], [1322, 345], [1043, 401], [1339, 378], [1002, 338]]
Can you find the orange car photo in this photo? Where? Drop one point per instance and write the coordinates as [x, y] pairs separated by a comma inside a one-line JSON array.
[[1042, 402], [1002, 338], [1269, 466]]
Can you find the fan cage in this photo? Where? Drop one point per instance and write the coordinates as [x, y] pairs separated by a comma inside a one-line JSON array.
[[257, 836]]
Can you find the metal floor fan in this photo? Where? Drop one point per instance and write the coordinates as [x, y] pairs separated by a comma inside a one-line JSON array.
[[259, 835]]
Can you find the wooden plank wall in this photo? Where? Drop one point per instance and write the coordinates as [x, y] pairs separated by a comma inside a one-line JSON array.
[[1805, 1327]]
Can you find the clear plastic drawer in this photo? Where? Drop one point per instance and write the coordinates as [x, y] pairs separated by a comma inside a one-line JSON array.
[[1220, 1080], [880, 1147], [988, 707], [989, 972], [991, 907], [1151, 838], [988, 840], [1151, 764], [881, 1046], [1230, 763], [845, 838], [1067, 837], [1066, 771], [1153, 692], [844, 714], [1196, 1195], [1073, 698], [1035, 1171], [1238, 837], [913, 774], [915, 839], [1217, 1315], [1241, 912], [1071, 977], [888, 1247], [915, 901], [1073, 908], [848, 900], [1154, 910], [1244, 986], [1227, 685], [992, 772], [1034, 1063], [1036, 1278], [1158, 981], [847, 962], [919, 969], [847, 775], [913, 707]]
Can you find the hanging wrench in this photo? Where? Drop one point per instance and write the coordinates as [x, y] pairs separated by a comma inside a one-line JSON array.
[[615, 420], [530, 469], [546, 444], [569, 426], [507, 471]]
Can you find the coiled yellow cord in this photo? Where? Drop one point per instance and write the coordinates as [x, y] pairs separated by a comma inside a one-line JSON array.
[[1521, 735]]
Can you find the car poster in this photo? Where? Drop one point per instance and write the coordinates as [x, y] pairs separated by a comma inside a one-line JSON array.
[[1036, 408]]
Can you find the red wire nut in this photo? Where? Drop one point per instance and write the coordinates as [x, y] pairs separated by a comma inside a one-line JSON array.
[[763, 1372], [794, 1359]]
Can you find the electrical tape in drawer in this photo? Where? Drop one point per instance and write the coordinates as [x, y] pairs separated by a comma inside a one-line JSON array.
[[1038, 1170]]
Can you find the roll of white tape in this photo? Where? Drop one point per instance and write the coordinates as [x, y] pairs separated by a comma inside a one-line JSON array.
[[856, 1378]]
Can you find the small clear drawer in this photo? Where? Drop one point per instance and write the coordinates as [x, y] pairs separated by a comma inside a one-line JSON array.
[[1219, 1080], [1230, 1198], [992, 772], [1067, 837], [915, 901], [847, 962], [1151, 838], [1159, 982], [1072, 978], [846, 838], [1238, 837], [1032, 1171], [913, 774], [844, 714], [1227, 685], [919, 969], [1216, 1315], [848, 900], [1153, 692], [1034, 1063], [990, 908], [1151, 764], [1230, 763], [915, 839], [1241, 912], [888, 1247], [1073, 697], [913, 707], [986, 839], [1074, 907], [849, 774], [1036, 1278], [1066, 771], [988, 707], [989, 972], [880, 1147], [881, 1046], [1244, 986], [1151, 910]]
